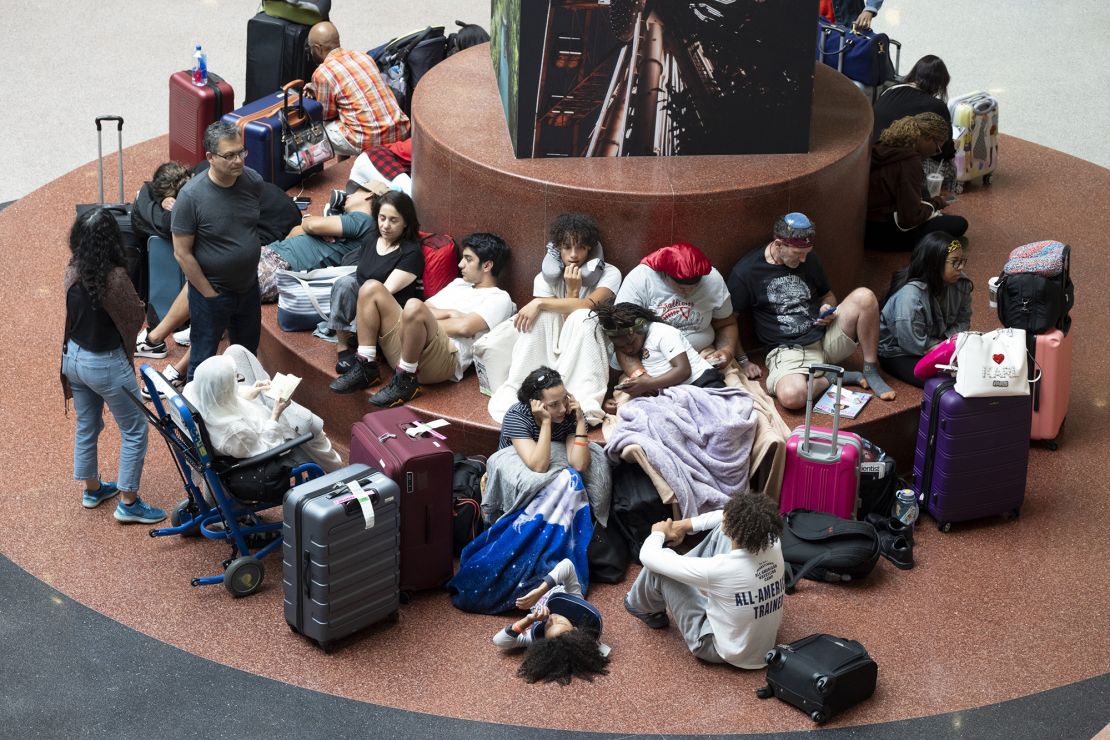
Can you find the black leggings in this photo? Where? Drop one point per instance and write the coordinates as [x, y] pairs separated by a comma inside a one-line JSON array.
[[886, 237], [902, 367]]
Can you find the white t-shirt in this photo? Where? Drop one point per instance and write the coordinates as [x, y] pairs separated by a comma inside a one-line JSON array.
[[744, 592], [693, 315], [610, 278], [493, 304], [662, 344]]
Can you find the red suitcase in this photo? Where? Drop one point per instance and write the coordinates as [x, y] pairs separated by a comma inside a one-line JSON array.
[[192, 109], [822, 465], [1052, 391], [424, 469]]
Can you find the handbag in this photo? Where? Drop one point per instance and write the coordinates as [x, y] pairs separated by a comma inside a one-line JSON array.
[[863, 56], [304, 142], [493, 356], [305, 297], [992, 364]]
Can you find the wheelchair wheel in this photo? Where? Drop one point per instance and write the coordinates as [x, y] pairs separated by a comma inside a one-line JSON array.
[[244, 576], [178, 515]]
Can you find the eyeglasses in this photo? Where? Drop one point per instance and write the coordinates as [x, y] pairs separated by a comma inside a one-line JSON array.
[[232, 156], [958, 263]]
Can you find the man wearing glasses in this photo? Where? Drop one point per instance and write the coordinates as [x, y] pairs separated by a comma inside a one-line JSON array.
[[215, 241], [799, 318]]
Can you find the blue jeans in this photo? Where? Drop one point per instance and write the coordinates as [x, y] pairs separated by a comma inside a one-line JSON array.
[[97, 378], [239, 314]]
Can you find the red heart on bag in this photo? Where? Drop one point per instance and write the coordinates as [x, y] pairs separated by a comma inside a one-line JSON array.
[[998, 359]]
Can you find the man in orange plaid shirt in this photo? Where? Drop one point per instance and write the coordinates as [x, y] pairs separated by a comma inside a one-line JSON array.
[[359, 108]]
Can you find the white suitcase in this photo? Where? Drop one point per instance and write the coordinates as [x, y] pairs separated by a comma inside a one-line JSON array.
[[975, 132]]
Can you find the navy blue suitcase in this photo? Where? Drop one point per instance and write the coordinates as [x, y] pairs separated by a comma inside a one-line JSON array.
[[260, 124], [166, 278], [972, 454]]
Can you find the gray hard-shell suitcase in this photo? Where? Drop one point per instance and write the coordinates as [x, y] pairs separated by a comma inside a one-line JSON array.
[[338, 574]]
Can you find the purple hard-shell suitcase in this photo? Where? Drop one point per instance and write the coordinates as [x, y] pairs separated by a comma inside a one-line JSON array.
[[822, 465], [972, 454], [424, 469]]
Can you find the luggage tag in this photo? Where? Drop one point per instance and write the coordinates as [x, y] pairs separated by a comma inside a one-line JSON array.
[[364, 502], [419, 428]]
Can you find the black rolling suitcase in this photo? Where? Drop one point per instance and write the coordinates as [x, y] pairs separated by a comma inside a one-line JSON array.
[[822, 675], [340, 570], [277, 53], [134, 249]]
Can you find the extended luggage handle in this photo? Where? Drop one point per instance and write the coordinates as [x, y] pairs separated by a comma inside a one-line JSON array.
[[293, 115], [100, 154], [839, 373]]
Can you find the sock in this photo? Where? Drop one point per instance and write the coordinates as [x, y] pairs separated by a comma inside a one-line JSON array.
[[370, 352], [854, 377], [408, 367], [874, 381]]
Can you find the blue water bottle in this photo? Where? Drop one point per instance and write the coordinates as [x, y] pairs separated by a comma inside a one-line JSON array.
[[200, 67]]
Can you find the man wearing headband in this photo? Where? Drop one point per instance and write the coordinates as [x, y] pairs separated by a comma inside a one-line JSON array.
[[799, 318], [680, 285]]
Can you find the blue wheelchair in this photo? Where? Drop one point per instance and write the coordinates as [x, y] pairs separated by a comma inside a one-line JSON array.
[[238, 489]]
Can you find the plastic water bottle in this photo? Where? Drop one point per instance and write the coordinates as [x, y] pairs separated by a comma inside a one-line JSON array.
[[200, 67]]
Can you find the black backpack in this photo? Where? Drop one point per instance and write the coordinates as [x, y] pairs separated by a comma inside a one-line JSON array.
[[1037, 303], [466, 495], [404, 60], [824, 547], [635, 506]]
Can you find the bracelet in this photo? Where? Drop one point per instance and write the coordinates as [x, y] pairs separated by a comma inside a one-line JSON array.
[[578, 443], [741, 360], [637, 373]]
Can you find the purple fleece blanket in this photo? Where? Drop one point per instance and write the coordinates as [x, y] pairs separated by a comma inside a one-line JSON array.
[[699, 440]]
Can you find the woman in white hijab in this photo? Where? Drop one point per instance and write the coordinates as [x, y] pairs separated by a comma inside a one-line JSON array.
[[242, 422]]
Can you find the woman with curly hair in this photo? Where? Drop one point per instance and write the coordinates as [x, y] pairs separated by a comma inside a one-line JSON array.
[[103, 315], [560, 632], [652, 354], [899, 208], [726, 594]]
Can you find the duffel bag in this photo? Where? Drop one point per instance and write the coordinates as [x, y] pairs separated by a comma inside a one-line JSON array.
[[824, 547], [304, 298]]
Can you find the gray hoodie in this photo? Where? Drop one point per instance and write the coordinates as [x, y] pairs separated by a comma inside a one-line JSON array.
[[912, 321]]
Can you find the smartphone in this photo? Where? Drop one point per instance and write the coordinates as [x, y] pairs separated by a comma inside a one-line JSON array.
[[302, 202], [826, 312]]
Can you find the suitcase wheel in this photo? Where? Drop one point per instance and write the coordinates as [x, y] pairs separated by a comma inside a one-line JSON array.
[[818, 716], [986, 179], [404, 597], [823, 684], [395, 617], [773, 656], [765, 692], [244, 576], [944, 526], [1013, 514]]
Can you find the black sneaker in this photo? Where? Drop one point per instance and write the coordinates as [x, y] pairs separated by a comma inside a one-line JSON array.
[[401, 389], [363, 375], [345, 361], [656, 621], [336, 203], [143, 348]]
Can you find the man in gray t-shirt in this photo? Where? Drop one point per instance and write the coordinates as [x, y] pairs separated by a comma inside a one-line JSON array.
[[215, 241]]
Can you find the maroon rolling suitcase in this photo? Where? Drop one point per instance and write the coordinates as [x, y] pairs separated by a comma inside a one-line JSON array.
[[192, 109], [424, 469]]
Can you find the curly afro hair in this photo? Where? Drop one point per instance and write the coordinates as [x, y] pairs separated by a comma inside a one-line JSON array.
[[561, 658], [751, 521]]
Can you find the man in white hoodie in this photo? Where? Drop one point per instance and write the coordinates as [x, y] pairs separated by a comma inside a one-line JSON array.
[[726, 594]]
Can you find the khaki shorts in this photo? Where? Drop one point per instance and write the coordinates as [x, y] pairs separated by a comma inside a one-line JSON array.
[[437, 359], [792, 359]]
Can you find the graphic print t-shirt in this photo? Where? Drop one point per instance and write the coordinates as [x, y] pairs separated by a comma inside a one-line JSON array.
[[784, 301], [692, 314]]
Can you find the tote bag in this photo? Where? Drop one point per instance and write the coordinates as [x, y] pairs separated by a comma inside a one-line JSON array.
[[304, 298], [992, 364]]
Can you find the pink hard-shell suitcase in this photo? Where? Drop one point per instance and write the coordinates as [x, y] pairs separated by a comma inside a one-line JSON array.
[[822, 465], [1052, 391]]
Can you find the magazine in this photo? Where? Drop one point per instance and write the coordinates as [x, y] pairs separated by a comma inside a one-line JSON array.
[[851, 402]]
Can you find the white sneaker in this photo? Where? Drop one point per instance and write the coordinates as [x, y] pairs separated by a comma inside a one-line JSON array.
[[181, 338], [144, 348]]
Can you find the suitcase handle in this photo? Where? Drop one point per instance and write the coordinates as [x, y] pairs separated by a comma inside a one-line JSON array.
[[837, 371], [305, 580], [100, 155]]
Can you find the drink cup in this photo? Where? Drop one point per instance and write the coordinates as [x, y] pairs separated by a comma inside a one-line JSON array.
[[934, 181], [992, 291]]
